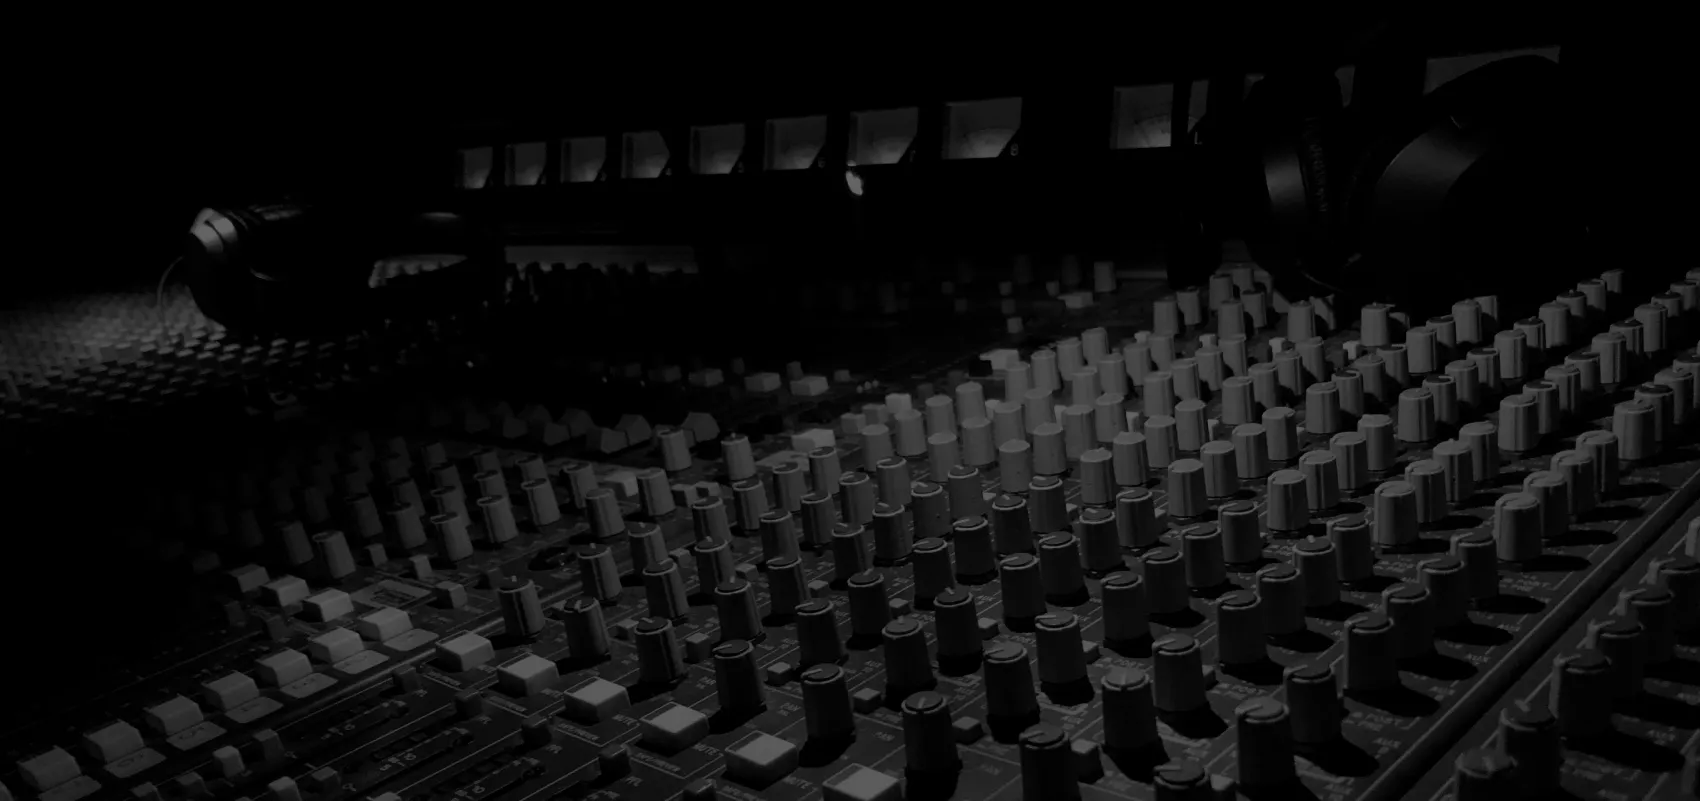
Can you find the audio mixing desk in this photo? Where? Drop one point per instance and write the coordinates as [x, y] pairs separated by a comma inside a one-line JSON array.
[[1133, 545]]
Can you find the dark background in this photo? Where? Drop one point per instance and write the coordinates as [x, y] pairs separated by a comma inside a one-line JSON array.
[[130, 137]]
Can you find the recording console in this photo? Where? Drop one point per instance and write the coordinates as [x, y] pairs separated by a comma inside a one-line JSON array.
[[1018, 533]]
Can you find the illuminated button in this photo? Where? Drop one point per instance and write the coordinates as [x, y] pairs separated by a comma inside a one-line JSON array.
[[335, 645], [111, 742], [465, 652], [862, 783], [383, 624], [673, 728], [528, 676], [594, 700], [173, 716], [283, 667], [230, 691], [761, 759]]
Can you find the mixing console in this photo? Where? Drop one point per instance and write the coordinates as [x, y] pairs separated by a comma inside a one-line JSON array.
[[1200, 545]]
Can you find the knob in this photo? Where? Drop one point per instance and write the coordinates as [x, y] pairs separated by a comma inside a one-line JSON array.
[[1351, 460], [1318, 572], [1129, 460], [1161, 446], [1062, 659], [1136, 518], [1634, 424], [1281, 434], [1201, 547], [1023, 588], [1126, 610], [1517, 527], [737, 681], [735, 607], [601, 574], [1395, 514], [1370, 652], [664, 588], [1242, 540], [892, 534], [933, 572], [1240, 630], [1187, 494], [1095, 474], [1238, 402], [827, 708], [1282, 596], [1047, 505], [1313, 695], [1050, 457], [909, 666], [1428, 479], [1165, 581], [1265, 735], [1412, 611], [1012, 526], [1047, 765], [1059, 567], [956, 624], [869, 610], [1010, 691], [1178, 669], [714, 562], [1322, 480], [1529, 734], [587, 633], [1448, 591], [928, 741], [660, 659], [1251, 451], [976, 557], [1581, 694], [1289, 508], [522, 610], [1322, 408], [1481, 774], [1354, 553], [1130, 715], [817, 632]]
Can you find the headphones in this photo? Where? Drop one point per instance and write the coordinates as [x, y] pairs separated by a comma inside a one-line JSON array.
[[1469, 190], [301, 269]]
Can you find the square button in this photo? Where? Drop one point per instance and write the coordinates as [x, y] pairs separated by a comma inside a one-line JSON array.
[[228, 692], [327, 606], [284, 591], [284, 667], [335, 645], [173, 716], [674, 728], [113, 741], [248, 578], [383, 624], [862, 783], [527, 676], [595, 700], [465, 652], [761, 759]]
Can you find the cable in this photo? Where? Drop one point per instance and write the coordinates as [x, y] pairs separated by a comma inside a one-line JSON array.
[[159, 296]]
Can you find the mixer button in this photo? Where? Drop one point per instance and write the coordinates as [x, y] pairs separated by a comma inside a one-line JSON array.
[[761, 759]]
